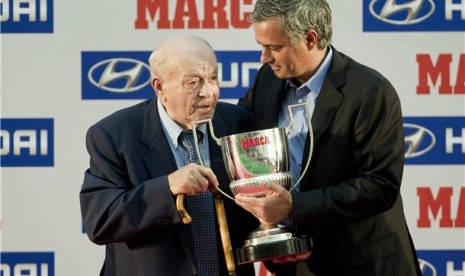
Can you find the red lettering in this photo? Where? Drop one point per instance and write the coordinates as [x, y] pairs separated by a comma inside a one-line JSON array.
[[460, 221], [245, 143], [428, 202], [460, 83], [190, 12], [216, 14], [441, 69], [264, 140], [238, 21], [254, 142], [152, 6], [221, 16]]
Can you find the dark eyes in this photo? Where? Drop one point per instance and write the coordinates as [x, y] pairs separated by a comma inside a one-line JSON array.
[[193, 83]]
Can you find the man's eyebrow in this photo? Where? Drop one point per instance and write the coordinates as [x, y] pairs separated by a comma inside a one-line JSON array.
[[195, 73], [269, 45], [192, 72]]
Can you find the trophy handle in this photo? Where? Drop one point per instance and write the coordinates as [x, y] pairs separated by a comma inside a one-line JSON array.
[[196, 142], [212, 133], [310, 132]]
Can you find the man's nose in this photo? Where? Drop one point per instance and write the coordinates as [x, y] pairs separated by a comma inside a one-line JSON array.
[[265, 56], [208, 90]]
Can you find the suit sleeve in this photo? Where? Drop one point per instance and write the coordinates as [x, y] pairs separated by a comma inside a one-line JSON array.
[[114, 209], [372, 165]]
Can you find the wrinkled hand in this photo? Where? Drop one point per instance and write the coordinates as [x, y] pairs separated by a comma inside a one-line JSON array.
[[191, 179], [293, 258], [271, 209]]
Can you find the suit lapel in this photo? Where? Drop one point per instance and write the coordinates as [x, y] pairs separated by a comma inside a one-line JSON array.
[[160, 161], [270, 105], [328, 101], [330, 97]]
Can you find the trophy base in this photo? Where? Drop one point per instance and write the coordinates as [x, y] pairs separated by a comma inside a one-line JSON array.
[[270, 244]]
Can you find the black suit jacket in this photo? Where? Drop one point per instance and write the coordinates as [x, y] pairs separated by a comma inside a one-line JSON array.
[[125, 200], [350, 201]]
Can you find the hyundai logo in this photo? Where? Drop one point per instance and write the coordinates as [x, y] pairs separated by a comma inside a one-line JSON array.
[[418, 141], [427, 269], [407, 13], [119, 75]]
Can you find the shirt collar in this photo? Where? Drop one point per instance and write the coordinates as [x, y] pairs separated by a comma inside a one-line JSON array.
[[171, 128], [316, 81]]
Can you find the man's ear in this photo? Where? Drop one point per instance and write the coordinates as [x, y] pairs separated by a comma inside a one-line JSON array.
[[311, 38], [157, 85]]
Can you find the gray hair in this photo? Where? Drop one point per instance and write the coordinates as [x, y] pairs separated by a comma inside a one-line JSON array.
[[297, 18], [159, 62]]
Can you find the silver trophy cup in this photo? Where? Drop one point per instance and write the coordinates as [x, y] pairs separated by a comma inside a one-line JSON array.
[[255, 160]]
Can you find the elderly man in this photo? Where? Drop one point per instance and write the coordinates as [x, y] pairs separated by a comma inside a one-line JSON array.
[[139, 165]]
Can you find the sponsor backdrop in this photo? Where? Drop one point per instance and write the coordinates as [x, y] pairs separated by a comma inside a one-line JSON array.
[[66, 64]]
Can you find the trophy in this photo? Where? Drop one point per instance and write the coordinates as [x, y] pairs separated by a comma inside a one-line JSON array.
[[253, 161]]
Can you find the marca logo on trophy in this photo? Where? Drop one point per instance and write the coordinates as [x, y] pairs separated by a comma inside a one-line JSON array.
[[255, 160]]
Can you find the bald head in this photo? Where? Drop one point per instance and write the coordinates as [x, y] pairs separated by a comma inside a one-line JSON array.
[[178, 50]]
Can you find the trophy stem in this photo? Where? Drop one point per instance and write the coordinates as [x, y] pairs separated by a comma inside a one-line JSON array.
[[272, 243]]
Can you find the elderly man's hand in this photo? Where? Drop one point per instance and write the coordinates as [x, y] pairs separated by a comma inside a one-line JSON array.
[[192, 179]]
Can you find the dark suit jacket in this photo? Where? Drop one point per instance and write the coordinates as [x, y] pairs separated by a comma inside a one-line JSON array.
[[350, 201], [125, 200]]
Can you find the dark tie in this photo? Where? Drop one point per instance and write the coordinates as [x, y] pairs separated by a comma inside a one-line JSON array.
[[201, 209]]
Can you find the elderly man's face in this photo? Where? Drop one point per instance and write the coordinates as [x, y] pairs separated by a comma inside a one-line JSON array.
[[190, 93]]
